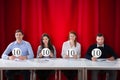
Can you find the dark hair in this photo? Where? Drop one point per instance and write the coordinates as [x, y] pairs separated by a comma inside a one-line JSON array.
[[18, 30], [50, 46], [99, 35], [72, 32]]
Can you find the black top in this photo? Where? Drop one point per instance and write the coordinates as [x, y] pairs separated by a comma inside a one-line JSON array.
[[106, 51]]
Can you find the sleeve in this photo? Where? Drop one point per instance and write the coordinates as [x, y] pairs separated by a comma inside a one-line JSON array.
[[30, 51], [88, 53], [7, 52], [112, 52], [79, 50], [63, 50], [54, 52], [38, 51]]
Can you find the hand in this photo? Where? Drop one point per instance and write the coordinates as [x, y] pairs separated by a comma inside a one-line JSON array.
[[40, 55], [75, 56], [22, 57], [66, 56], [111, 59], [11, 57], [94, 59], [51, 55]]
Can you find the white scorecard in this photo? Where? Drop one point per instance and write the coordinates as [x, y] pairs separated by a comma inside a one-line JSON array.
[[17, 52], [45, 52], [71, 52], [96, 52]]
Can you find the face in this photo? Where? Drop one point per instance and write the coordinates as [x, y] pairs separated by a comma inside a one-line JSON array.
[[45, 40], [72, 37], [100, 40], [19, 36]]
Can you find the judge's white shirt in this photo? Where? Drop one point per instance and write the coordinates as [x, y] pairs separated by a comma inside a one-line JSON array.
[[66, 46]]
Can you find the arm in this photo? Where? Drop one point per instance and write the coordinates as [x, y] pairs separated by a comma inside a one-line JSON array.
[[54, 56], [88, 53], [7, 52], [78, 50], [53, 53], [63, 54], [39, 52], [30, 51], [112, 53]]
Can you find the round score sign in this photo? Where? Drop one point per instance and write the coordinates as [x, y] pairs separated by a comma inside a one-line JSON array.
[[71, 52], [17, 52], [96, 52], [45, 52]]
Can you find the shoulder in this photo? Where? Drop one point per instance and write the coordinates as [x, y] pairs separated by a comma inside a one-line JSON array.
[[26, 42], [93, 46], [12, 43], [53, 46], [66, 42], [39, 47], [107, 46], [78, 44]]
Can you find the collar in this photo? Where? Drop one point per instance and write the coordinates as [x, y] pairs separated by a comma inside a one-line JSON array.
[[19, 43], [100, 45]]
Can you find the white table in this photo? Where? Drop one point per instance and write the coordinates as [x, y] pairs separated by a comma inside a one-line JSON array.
[[101, 64], [71, 64], [44, 64], [82, 65]]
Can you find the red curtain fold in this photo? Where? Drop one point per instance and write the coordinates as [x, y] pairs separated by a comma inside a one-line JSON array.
[[117, 28], [57, 18]]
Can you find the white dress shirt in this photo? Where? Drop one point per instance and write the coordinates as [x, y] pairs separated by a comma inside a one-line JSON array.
[[66, 46]]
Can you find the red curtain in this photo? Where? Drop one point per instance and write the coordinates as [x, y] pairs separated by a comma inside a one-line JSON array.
[[57, 18]]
